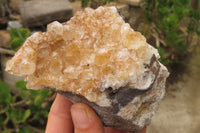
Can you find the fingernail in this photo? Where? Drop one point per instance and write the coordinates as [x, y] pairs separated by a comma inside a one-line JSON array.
[[80, 118]]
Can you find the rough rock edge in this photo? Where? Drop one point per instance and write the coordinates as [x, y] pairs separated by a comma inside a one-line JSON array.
[[109, 116]]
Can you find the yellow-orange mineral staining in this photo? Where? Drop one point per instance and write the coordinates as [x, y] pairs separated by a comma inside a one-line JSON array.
[[95, 50]]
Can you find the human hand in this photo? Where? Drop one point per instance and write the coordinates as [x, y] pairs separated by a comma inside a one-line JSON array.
[[65, 117]]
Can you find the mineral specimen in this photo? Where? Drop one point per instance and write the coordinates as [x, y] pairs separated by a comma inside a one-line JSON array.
[[97, 59]]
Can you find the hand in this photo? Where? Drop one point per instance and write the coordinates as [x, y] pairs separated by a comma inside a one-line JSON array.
[[65, 117]]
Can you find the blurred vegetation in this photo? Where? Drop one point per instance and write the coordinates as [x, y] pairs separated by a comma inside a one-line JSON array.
[[25, 112], [95, 3], [18, 37], [175, 24]]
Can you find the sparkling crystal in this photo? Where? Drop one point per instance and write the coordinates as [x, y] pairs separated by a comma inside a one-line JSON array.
[[96, 58], [95, 50]]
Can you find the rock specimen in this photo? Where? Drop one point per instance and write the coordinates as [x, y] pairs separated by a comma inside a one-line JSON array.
[[97, 59]]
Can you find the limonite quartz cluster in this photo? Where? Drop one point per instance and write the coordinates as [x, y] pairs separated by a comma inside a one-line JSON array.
[[96, 58]]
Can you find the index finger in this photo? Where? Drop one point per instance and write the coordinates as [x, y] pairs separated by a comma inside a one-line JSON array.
[[59, 119]]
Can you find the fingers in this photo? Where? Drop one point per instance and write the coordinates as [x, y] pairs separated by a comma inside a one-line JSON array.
[[59, 120], [85, 119]]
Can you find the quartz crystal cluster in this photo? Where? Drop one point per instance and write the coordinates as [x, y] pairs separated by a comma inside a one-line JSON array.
[[96, 58]]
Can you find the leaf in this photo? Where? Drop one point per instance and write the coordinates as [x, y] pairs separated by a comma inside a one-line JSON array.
[[21, 84], [35, 96], [84, 3], [16, 43], [38, 100], [182, 3], [41, 114], [18, 36], [171, 22], [26, 94], [25, 130], [14, 33], [41, 95], [165, 61], [172, 37], [45, 92], [5, 96], [180, 12], [27, 113], [18, 115], [5, 109], [25, 33], [15, 115], [162, 52], [163, 10], [4, 88]]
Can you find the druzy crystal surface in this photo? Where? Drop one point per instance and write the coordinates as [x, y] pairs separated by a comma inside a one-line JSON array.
[[97, 56]]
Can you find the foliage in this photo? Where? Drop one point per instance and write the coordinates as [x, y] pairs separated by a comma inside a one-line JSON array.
[[21, 112], [84, 3], [18, 36], [168, 18], [95, 3]]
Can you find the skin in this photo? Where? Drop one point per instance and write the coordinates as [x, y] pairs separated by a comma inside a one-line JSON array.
[[65, 117]]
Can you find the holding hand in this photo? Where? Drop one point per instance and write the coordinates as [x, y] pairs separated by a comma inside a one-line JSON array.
[[65, 117]]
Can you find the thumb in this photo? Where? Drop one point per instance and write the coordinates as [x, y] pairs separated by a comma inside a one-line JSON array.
[[85, 119]]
